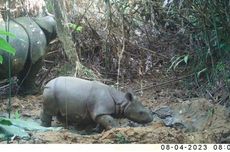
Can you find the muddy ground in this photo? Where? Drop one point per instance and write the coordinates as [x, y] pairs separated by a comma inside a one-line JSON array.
[[192, 120]]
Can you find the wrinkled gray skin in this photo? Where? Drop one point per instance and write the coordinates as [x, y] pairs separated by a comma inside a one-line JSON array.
[[32, 37], [84, 102]]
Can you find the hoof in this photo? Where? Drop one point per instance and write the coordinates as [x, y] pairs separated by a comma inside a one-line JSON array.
[[46, 124]]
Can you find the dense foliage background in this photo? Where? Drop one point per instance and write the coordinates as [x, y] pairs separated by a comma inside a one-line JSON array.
[[136, 39]]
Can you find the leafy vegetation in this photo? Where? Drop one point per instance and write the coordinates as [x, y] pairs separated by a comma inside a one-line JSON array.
[[75, 27], [20, 128], [205, 25], [5, 46], [175, 61]]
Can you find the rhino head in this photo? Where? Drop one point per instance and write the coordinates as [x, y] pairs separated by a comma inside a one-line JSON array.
[[48, 25], [135, 111]]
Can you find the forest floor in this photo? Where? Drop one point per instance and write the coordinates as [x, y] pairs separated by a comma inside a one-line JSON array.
[[191, 120]]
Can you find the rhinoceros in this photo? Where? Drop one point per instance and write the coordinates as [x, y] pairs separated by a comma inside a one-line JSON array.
[[32, 37], [86, 102]]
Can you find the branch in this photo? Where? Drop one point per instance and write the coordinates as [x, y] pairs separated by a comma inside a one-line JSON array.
[[164, 83]]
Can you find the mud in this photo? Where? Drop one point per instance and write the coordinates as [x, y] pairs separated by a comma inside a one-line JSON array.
[[202, 121]]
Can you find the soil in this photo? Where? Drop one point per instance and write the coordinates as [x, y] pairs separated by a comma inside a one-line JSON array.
[[214, 128]]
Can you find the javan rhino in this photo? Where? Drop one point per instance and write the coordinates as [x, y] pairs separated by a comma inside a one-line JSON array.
[[84, 102], [32, 37]]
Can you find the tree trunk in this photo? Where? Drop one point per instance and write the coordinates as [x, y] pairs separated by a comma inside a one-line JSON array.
[[63, 31]]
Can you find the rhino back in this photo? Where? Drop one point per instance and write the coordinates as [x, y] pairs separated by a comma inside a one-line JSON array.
[[36, 35], [71, 95], [20, 43], [103, 100]]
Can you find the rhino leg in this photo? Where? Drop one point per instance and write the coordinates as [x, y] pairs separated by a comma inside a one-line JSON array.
[[49, 110], [27, 78], [46, 118], [106, 121], [50, 107]]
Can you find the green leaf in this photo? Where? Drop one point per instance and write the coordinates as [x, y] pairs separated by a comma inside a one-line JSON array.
[[75, 27], [10, 131], [18, 127], [1, 59], [225, 47], [30, 125], [5, 122], [17, 114], [79, 28], [2, 136], [71, 25], [2, 32], [4, 45], [174, 67], [173, 62], [186, 58], [203, 70]]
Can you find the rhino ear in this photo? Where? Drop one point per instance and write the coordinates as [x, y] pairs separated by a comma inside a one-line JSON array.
[[129, 96]]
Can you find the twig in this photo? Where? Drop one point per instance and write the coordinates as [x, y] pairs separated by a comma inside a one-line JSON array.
[[219, 88], [53, 52], [210, 95], [145, 49], [48, 61], [98, 79], [120, 54], [154, 52], [164, 83], [44, 76]]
